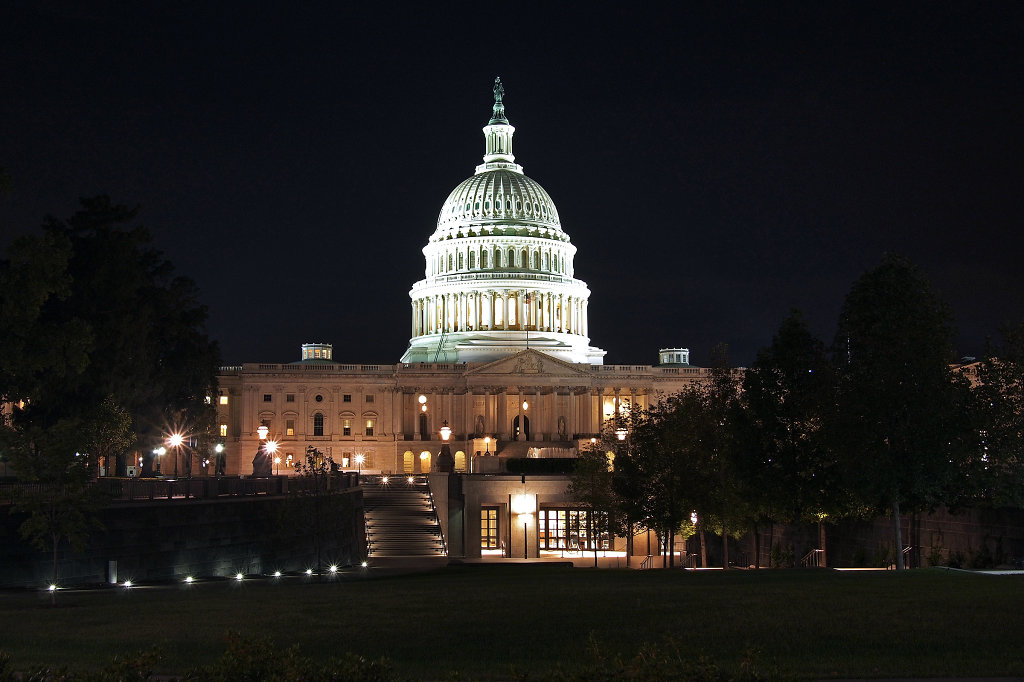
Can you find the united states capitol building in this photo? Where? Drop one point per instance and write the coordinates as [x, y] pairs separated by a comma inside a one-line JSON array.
[[500, 352]]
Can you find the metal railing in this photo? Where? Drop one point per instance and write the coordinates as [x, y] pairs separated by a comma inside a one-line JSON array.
[[813, 558]]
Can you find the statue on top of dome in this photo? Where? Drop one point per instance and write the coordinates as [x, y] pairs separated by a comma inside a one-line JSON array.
[[498, 113]]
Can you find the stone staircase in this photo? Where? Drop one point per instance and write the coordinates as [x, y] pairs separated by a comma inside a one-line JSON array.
[[400, 517]]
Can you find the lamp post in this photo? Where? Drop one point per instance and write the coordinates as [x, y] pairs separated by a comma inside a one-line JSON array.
[[219, 466], [360, 458], [524, 505], [157, 455], [277, 465], [487, 446], [175, 440], [445, 460]]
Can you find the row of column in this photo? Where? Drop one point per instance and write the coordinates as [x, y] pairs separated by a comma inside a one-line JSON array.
[[500, 310]]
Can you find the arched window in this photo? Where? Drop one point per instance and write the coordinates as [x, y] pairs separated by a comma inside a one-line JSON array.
[[524, 259], [511, 259], [547, 262], [472, 259], [461, 266], [483, 259], [449, 261], [318, 424]]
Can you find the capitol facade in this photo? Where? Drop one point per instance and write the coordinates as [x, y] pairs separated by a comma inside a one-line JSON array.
[[499, 353]]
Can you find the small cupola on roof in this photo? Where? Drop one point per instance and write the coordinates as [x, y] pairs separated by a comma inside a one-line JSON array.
[[317, 351], [499, 268]]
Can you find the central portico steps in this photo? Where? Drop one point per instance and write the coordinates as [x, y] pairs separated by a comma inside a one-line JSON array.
[[400, 517]]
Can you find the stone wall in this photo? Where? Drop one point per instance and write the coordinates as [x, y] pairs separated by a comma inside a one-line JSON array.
[[171, 539]]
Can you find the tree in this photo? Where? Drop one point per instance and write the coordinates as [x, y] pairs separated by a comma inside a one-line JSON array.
[[98, 344], [997, 470], [903, 420], [649, 475], [787, 393], [89, 311], [591, 487]]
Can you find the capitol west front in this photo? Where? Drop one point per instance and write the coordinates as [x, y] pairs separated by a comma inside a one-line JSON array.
[[499, 352]]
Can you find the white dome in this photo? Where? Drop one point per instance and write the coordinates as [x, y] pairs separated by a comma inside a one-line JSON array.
[[498, 202]]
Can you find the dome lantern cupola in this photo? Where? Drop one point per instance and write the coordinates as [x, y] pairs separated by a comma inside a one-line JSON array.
[[498, 134]]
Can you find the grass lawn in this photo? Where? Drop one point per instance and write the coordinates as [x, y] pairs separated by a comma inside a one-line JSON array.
[[496, 621]]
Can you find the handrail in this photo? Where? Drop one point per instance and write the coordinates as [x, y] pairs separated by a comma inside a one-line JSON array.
[[812, 559], [440, 528], [648, 562]]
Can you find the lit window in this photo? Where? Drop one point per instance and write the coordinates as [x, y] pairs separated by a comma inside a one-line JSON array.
[[369, 427], [223, 400], [223, 430], [346, 427], [289, 427]]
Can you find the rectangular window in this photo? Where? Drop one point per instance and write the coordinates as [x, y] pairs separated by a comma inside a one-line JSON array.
[[223, 400], [289, 397], [267, 397], [223, 430], [573, 529], [346, 398], [346, 460], [369, 427], [369, 398], [489, 528], [346, 427], [289, 427]]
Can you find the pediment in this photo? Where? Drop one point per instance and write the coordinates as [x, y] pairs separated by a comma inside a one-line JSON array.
[[530, 363]]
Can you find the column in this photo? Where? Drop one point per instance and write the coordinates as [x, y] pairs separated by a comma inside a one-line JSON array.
[[504, 310]]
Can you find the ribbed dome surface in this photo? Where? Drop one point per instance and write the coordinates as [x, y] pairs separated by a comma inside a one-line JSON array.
[[498, 198]]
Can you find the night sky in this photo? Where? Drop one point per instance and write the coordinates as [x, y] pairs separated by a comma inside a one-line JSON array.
[[713, 168]]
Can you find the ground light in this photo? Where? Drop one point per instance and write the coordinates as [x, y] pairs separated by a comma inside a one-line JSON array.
[[309, 571], [52, 588], [334, 568], [239, 576], [189, 579], [364, 564], [126, 583], [277, 574]]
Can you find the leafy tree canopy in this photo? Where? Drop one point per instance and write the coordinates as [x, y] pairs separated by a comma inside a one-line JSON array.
[[96, 328]]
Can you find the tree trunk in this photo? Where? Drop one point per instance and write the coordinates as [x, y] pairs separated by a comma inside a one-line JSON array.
[[898, 534], [757, 548], [725, 547], [703, 549], [671, 549], [56, 541], [821, 544]]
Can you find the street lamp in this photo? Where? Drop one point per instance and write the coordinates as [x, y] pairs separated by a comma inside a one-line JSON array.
[[524, 505], [157, 454], [219, 466], [445, 460], [277, 465], [487, 446], [360, 458], [175, 440]]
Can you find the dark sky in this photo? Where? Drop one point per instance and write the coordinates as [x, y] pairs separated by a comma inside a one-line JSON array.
[[714, 168]]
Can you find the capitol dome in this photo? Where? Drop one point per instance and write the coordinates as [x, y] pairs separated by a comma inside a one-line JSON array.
[[499, 268], [498, 202]]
